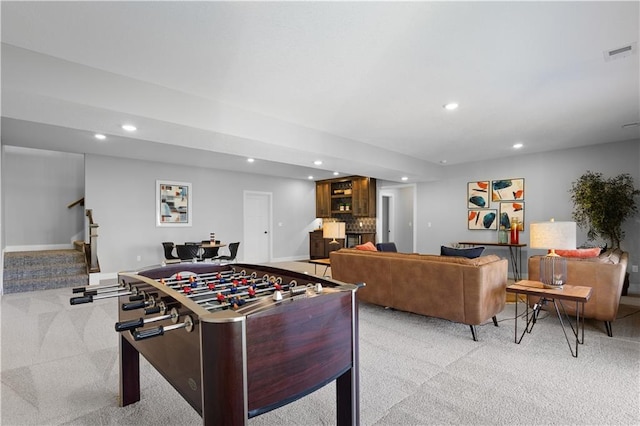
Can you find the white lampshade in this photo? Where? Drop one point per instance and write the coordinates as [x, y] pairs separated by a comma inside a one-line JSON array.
[[553, 235], [333, 230]]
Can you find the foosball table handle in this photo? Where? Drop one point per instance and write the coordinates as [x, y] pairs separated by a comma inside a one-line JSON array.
[[81, 299], [129, 325], [151, 311], [146, 334], [134, 305]]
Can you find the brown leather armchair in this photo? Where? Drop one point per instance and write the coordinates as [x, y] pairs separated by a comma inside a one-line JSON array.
[[605, 274]]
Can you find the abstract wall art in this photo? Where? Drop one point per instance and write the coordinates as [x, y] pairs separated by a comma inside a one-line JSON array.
[[482, 219], [173, 203], [478, 194], [507, 190], [510, 210]]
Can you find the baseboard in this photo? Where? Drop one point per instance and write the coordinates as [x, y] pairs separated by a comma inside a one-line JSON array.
[[39, 247], [289, 259]]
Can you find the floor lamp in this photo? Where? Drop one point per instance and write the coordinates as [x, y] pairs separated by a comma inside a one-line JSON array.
[[553, 236]]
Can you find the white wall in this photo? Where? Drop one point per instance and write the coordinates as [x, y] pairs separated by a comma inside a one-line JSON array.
[[548, 177], [122, 195], [38, 186]]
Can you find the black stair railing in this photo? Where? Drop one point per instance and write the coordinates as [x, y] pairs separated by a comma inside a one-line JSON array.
[[92, 256]]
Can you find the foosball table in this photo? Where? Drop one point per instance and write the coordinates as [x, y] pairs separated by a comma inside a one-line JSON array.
[[239, 340]]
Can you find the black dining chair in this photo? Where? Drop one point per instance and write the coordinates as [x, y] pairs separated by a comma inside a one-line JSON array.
[[188, 251], [168, 250], [209, 252], [233, 252]]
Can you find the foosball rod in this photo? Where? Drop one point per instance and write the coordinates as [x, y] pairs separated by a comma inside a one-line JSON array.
[[220, 287], [137, 323], [223, 274], [215, 299], [89, 298], [106, 287]]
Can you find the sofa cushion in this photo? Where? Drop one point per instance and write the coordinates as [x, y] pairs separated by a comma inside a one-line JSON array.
[[387, 247], [580, 253], [368, 246], [469, 253], [610, 256]]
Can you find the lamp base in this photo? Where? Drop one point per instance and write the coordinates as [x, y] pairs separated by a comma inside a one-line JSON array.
[[553, 286], [553, 271]]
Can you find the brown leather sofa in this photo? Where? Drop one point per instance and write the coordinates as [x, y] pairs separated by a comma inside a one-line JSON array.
[[468, 291], [605, 274]]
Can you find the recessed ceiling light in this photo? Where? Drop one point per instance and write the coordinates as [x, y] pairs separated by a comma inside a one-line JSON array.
[[99, 136], [451, 106], [250, 160], [336, 173], [317, 162], [310, 177], [404, 178], [129, 127], [443, 161], [518, 145]]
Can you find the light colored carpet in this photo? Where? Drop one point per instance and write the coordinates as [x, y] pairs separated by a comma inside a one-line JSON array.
[[59, 366]]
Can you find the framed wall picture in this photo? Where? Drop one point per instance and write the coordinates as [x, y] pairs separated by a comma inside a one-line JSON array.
[[173, 203], [478, 194], [482, 219], [510, 210], [507, 190]]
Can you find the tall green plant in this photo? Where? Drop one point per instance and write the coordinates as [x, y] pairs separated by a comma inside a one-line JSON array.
[[602, 205]]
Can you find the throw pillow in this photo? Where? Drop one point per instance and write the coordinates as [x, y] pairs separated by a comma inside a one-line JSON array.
[[469, 253], [368, 246], [580, 253]]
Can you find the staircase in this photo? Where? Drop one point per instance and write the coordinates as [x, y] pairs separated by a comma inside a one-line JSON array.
[[44, 270]]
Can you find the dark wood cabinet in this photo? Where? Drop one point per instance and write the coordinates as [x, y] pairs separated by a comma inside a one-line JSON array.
[[323, 199], [319, 247], [353, 195], [364, 197], [316, 245]]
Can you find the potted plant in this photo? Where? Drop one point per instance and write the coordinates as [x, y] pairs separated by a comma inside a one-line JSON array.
[[603, 205]]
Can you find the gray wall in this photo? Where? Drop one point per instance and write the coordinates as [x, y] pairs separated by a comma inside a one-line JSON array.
[[548, 178], [38, 186], [122, 195]]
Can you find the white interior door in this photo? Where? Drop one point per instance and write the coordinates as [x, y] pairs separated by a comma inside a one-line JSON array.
[[257, 227]]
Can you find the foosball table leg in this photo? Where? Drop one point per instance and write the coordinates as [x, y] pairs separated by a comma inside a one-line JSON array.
[[347, 384], [348, 412], [129, 373]]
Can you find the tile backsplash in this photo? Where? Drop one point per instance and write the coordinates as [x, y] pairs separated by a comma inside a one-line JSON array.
[[357, 224]]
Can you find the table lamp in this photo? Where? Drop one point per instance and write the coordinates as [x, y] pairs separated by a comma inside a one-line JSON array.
[[553, 235], [333, 230]]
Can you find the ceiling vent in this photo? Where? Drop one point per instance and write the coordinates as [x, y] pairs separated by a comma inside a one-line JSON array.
[[620, 52]]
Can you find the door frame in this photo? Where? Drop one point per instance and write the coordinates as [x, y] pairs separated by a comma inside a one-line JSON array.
[[414, 224], [245, 231]]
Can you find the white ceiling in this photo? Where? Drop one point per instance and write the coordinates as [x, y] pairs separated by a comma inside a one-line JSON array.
[[358, 85]]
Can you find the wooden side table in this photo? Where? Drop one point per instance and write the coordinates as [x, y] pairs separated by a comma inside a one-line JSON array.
[[578, 294], [316, 262]]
